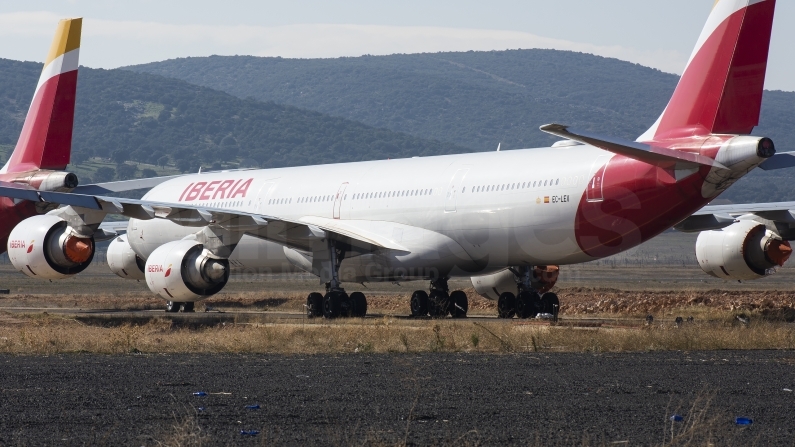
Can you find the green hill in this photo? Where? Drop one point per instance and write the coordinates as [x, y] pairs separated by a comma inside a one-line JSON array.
[[477, 99], [122, 115]]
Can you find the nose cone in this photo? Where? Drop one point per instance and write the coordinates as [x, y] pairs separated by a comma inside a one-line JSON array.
[[78, 249], [779, 252], [215, 270]]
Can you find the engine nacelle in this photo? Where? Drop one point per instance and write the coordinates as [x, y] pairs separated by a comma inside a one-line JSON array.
[[123, 261], [47, 247], [492, 286], [183, 271], [744, 250]]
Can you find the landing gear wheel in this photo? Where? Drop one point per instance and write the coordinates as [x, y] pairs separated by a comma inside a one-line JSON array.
[[314, 305], [528, 304], [188, 306], [419, 303], [506, 305], [438, 304], [459, 304], [550, 303], [173, 306], [359, 304], [332, 304]]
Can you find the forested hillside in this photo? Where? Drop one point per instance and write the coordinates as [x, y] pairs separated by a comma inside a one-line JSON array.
[[122, 115], [477, 99]]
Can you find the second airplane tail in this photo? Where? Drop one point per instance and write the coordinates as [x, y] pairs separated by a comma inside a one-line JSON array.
[[720, 91], [46, 138]]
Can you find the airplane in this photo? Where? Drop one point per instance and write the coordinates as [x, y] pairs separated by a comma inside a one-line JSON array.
[[39, 160], [508, 219]]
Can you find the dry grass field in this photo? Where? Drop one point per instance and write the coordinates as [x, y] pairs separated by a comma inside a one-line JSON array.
[[614, 294]]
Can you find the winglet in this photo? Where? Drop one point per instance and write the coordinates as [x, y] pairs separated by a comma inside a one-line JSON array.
[[46, 138]]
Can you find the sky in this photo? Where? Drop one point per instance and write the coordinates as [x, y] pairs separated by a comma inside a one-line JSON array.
[[659, 34]]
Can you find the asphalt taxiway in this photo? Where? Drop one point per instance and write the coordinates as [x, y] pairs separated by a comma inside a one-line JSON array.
[[436, 398]]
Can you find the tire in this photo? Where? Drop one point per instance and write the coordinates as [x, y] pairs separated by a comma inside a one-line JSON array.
[[528, 304], [359, 302], [506, 305], [438, 304], [459, 304], [549, 301], [173, 306], [314, 305], [189, 306], [419, 303], [332, 304]]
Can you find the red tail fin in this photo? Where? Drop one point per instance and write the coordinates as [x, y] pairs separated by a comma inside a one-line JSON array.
[[46, 138], [720, 91]]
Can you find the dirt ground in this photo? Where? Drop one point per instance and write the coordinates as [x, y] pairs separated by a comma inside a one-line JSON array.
[[609, 290]]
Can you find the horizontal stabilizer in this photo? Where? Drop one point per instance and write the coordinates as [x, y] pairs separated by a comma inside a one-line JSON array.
[[781, 160], [653, 155]]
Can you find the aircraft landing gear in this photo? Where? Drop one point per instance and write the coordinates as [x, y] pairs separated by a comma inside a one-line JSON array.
[[439, 302], [336, 302], [176, 306], [527, 303]]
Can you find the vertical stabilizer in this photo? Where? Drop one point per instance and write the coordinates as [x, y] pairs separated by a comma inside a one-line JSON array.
[[46, 138], [720, 91]]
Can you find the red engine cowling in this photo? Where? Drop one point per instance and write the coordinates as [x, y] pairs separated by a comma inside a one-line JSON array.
[[47, 247], [742, 251]]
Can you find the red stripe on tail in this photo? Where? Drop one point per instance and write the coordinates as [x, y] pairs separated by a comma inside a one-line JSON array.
[[46, 138], [720, 92]]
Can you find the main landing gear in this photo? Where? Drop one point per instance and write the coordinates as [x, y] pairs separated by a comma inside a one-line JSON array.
[[440, 302], [175, 306], [527, 303], [336, 302]]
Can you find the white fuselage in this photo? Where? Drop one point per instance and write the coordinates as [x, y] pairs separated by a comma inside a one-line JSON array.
[[459, 214]]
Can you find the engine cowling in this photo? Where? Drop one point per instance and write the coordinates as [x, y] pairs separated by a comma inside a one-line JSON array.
[[47, 247], [123, 261], [743, 251], [491, 286], [183, 271]]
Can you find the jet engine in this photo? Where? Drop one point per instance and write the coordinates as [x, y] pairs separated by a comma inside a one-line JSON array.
[[123, 261], [184, 271], [744, 250], [47, 247], [491, 286]]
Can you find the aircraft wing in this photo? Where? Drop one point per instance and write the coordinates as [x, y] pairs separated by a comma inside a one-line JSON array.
[[715, 217], [292, 233], [129, 185], [124, 185]]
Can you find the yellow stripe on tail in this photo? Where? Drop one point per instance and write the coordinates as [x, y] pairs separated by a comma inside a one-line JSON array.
[[67, 38]]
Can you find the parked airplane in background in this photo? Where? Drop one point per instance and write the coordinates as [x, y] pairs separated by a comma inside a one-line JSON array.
[[507, 219], [37, 164]]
